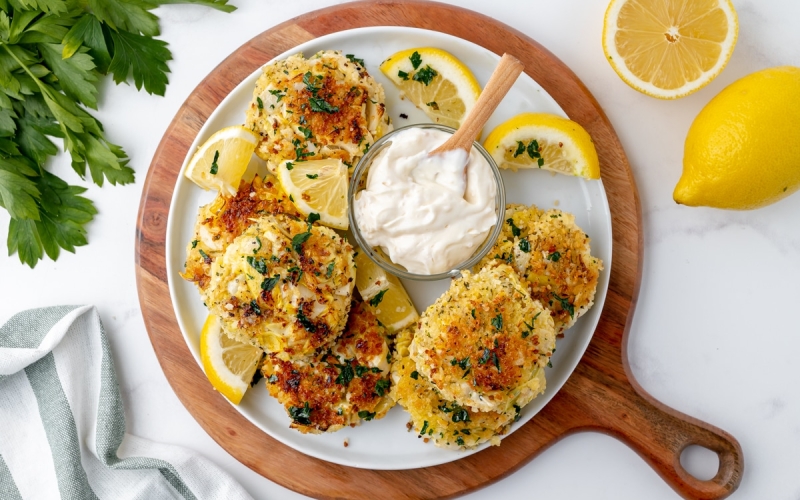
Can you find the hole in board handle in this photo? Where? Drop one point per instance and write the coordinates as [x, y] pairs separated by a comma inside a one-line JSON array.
[[700, 462]]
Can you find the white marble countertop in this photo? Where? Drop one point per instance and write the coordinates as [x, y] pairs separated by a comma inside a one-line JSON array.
[[712, 321]]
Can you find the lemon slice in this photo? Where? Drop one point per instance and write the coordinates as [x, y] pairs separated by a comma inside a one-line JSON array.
[[434, 81], [384, 294], [222, 160], [669, 48], [541, 140], [317, 186], [229, 364]]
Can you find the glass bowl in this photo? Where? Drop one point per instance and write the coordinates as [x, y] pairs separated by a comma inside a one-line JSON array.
[[377, 255]]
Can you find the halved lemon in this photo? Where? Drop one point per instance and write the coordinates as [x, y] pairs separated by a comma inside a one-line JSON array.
[[384, 294], [669, 48], [317, 186], [435, 81], [222, 160], [228, 363], [542, 140]]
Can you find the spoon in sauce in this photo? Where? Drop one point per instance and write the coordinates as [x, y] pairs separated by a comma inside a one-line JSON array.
[[500, 82]]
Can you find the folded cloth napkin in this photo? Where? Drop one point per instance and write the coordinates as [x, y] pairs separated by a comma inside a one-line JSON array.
[[62, 424]]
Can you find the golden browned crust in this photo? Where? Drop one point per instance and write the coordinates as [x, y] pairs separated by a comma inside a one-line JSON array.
[[553, 256], [484, 341], [225, 218], [339, 387]]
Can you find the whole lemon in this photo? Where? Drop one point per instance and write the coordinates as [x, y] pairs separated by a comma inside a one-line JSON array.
[[743, 149]]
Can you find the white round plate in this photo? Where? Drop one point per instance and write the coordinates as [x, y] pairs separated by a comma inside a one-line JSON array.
[[386, 444]]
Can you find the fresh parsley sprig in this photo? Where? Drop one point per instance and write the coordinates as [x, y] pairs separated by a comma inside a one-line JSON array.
[[53, 55]]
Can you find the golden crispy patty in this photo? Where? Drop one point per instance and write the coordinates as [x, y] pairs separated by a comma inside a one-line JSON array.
[[326, 106], [283, 285], [484, 342], [340, 387], [553, 255], [222, 220], [447, 423]]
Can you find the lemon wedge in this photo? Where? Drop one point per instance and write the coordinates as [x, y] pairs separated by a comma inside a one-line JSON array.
[[222, 160], [384, 294], [229, 364], [743, 149], [669, 48], [435, 81], [541, 140], [317, 186]]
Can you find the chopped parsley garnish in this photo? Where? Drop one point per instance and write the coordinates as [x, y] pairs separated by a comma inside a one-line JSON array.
[[352, 58], [460, 441], [374, 301], [312, 218], [312, 176], [416, 59], [258, 240], [257, 263], [525, 245], [549, 364], [329, 271], [269, 283], [415, 375], [381, 386], [346, 373], [321, 105], [464, 364], [366, 415], [298, 240], [291, 198], [302, 415], [310, 86], [214, 167], [305, 131], [497, 322], [425, 75], [473, 313], [205, 256], [254, 306], [530, 327], [433, 105], [565, 305], [533, 149], [260, 103], [460, 415], [485, 356], [517, 409], [515, 231], [425, 423], [403, 75], [289, 165], [277, 93], [555, 256], [305, 322], [194, 243], [520, 148]]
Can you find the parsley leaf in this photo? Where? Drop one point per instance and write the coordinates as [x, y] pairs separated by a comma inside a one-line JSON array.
[[425, 75], [416, 59], [302, 415], [321, 105], [402, 74], [565, 304], [366, 415], [382, 386], [555, 256], [52, 58], [374, 301], [354, 59], [515, 231]]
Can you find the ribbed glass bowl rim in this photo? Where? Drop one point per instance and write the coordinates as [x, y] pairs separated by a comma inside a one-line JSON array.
[[362, 168]]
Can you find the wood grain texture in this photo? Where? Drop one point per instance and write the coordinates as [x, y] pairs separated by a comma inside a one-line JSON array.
[[601, 395]]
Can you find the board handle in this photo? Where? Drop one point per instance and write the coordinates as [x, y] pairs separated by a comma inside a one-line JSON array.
[[660, 434]]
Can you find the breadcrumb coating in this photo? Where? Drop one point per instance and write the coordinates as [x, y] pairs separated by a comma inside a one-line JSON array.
[[553, 256]]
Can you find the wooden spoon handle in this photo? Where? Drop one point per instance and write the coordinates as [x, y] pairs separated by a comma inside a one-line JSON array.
[[503, 77]]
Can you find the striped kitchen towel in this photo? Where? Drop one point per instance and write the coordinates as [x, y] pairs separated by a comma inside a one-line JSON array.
[[62, 424]]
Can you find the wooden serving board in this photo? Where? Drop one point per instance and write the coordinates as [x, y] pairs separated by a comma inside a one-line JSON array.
[[601, 395]]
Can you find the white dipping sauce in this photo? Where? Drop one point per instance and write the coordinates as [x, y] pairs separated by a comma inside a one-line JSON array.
[[428, 213]]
